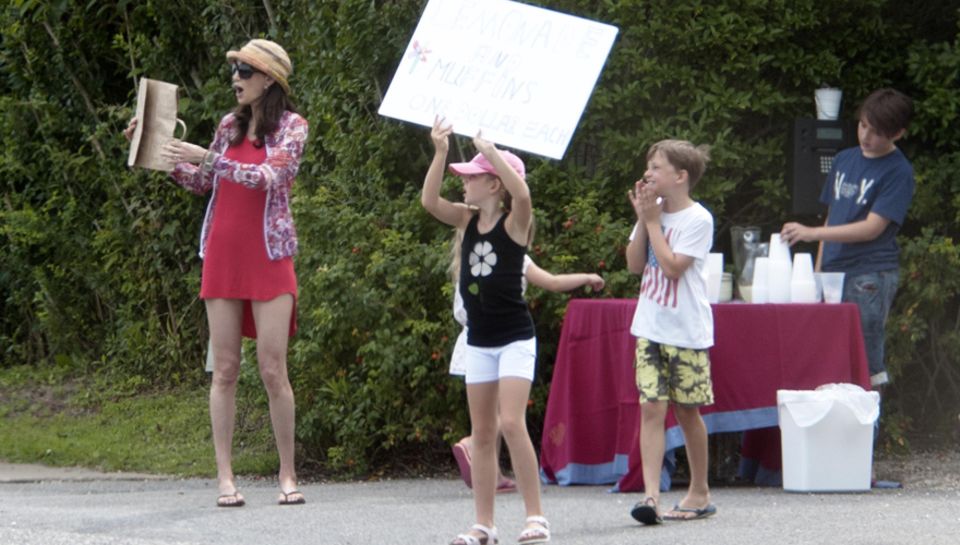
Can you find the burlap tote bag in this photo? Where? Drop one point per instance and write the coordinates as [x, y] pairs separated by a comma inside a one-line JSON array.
[[156, 123]]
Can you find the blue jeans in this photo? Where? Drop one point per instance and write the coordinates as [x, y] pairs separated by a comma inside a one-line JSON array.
[[873, 293]]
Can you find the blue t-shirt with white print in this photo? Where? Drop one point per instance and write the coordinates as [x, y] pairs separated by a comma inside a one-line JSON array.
[[856, 186]]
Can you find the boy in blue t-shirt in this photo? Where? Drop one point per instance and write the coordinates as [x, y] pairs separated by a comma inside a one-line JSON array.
[[868, 192]]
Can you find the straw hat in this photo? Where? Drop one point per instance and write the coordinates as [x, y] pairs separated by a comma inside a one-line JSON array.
[[267, 57]]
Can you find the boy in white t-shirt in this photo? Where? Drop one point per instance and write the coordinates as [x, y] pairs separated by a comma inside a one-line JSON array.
[[673, 322]]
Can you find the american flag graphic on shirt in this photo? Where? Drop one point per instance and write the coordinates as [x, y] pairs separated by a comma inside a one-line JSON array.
[[655, 285]]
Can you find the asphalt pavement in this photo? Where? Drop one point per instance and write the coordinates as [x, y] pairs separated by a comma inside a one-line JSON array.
[[47, 506]]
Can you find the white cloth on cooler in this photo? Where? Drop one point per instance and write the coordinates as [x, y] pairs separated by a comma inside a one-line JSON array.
[[807, 407]]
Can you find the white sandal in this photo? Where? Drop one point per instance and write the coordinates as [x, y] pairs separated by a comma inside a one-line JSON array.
[[490, 537], [536, 534]]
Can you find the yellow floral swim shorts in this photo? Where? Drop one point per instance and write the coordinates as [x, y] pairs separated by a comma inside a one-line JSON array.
[[670, 373]]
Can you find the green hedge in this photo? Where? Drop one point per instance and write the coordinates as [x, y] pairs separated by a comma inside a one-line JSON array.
[[99, 262]]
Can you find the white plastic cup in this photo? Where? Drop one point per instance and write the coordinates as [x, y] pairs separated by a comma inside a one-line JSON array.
[[778, 281], [778, 270], [779, 249], [803, 286], [715, 263], [803, 292], [714, 276], [802, 267], [832, 286], [761, 281], [828, 103], [758, 296]]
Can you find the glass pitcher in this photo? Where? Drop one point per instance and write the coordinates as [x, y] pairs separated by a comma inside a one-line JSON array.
[[747, 246]]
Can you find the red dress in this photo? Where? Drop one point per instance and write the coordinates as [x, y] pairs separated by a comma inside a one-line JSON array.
[[236, 265]]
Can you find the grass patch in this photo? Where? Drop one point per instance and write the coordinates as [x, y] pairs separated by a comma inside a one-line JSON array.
[[57, 422]]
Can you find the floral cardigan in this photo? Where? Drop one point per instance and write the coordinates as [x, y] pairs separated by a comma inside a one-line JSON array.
[[275, 176]]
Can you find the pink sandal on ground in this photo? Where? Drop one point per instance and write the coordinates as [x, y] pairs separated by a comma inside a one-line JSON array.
[[538, 533], [489, 537], [506, 485], [462, 454]]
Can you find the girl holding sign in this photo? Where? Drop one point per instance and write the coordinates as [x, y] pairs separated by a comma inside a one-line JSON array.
[[501, 344], [247, 245], [532, 274]]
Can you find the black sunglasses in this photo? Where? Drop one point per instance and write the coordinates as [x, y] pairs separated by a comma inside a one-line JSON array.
[[244, 70]]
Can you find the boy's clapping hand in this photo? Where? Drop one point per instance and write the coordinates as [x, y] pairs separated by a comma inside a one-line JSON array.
[[644, 201]]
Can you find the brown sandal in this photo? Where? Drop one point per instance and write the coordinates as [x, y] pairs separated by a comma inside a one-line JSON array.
[[224, 500], [285, 498]]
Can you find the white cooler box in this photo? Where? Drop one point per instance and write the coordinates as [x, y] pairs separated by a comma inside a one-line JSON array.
[[827, 438]]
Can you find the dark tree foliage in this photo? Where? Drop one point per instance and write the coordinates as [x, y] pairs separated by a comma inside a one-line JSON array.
[[99, 267]]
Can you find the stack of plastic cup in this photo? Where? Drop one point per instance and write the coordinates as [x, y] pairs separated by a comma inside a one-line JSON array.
[[714, 276], [778, 248], [803, 287], [760, 290], [778, 271]]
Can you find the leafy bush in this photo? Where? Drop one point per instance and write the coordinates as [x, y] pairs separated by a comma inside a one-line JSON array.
[[100, 272], [924, 328]]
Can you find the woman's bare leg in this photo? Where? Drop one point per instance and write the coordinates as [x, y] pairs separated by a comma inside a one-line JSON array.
[[224, 317], [273, 331]]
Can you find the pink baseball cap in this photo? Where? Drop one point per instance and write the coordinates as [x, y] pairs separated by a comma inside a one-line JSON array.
[[480, 165]]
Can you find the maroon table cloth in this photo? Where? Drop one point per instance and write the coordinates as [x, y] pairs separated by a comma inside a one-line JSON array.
[[591, 428]]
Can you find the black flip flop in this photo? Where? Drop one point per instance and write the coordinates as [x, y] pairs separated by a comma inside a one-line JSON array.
[[285, 500], [702, 513], [645, 512]]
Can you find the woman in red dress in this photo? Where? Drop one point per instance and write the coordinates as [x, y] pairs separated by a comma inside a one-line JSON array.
[[247, 245]]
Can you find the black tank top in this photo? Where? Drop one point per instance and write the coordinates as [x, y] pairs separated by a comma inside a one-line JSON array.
[[491, 271]]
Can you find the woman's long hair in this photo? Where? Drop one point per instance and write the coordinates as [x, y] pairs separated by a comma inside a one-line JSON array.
[[269, 110]]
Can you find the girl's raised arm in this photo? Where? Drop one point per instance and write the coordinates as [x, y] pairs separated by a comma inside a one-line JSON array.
[[430, 198], [521, 210]]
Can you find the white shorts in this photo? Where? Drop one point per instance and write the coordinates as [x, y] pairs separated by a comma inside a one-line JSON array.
[[458, 360], [517, 359]]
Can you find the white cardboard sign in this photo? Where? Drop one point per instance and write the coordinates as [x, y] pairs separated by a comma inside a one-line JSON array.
[[519, 73]]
